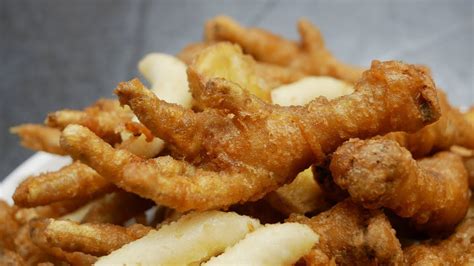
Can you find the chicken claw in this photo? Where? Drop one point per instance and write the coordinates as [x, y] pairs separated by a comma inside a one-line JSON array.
[[432, 192], [310, 56], [242, 148], [352, 235]]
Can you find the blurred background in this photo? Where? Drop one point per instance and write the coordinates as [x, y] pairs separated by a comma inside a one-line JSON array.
[[58, 54]]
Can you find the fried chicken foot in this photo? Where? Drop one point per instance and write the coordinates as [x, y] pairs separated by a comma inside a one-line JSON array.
[[351, 235], [458, 249], [310, 56], [246, 148], [104, 118], [452, 128], [116, 208], [39, 138], [74, 181], [94, 239], [432, 192]]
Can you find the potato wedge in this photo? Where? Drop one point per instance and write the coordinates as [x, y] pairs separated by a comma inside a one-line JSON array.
[[192, 239], [278, 244]]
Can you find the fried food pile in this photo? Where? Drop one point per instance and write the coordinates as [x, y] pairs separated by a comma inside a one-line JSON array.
[[251, 149]]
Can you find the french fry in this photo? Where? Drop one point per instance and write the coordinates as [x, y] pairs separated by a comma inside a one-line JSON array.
[[309, 88], [192, 239], [225, 60], [167, 74], [278, 244], [301, 196]]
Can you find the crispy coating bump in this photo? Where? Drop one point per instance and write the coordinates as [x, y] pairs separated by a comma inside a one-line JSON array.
[[93, 239], [39, 138], [458, 249], [309, 56], [74, 181], [433, 192], [452, 128], [352, 235], [302, 195]]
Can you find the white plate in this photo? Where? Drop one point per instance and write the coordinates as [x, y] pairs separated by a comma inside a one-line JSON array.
[[38, 163]]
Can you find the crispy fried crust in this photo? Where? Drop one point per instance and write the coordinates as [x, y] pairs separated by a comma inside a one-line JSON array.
[[39, 138], [93, 239], [458, 249], [53, 210], [8, 226], [104, 118], [351, 235], [74, 181], [30, 252], [452, 128], [116, 208], [10, 258], [433, 192], [40, 251], [230, 157], [310, 55]]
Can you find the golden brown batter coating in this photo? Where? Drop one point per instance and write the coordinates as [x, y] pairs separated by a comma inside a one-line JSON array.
[[30, 252], [74, 181], [468, 159], [39, 138], [41, 252], [53, 210], [241, 148], [352, 235], [310, 56], [8, 226], [452, 128], [458, 249], [94, 239], [433, 191], [105, 118], [10, 258], [116, 208]]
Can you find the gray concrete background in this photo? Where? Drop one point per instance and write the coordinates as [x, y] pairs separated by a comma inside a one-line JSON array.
[[56, 54]]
